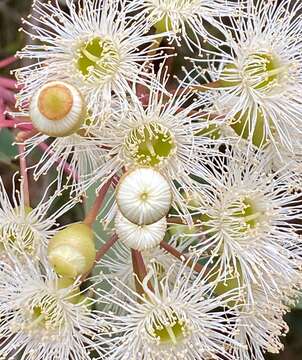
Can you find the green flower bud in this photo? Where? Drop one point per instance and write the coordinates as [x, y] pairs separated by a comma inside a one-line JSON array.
[[233, 281], [164, 24], [241, 124], [75, 293], [72, 251], [212, 131], [183, 230]]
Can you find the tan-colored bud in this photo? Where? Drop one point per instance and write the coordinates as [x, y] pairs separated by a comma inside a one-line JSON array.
[[57, 109], [72, 251]]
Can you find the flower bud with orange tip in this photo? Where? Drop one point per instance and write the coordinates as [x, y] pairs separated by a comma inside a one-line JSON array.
[[72, 251], [57, 109]]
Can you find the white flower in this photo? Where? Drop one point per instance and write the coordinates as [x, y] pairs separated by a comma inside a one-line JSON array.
[[143, 196], [261, 325], [169, 135], [140, 237], [259, 79], [94, 46], [189, 17], [251, 222], [44, 317], [24, 229], [179, 321], [118, 265]]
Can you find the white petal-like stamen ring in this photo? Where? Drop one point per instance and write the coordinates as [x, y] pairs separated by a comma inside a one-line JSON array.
[[57, 109], [144, 196], [140, 237]]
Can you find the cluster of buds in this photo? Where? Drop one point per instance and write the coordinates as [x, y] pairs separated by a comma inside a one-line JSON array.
[[197, 178]]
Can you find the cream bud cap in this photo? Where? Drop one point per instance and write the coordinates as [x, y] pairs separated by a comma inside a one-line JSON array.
[[140, 237], [57, 109], [72, 251], [144, 196]]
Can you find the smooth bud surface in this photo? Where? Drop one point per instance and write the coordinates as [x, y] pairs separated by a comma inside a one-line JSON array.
[[72, 251]]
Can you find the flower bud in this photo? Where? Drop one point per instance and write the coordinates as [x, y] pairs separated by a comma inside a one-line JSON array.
[[57, 109], [144, 196], [164, 24], [232, 282], [74, 296], [72, 251], [243, 126], [140, 237]]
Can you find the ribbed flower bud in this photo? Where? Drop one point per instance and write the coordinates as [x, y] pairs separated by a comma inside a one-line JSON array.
[[57, 109], [140, 237], [144, 196], [72, 251]]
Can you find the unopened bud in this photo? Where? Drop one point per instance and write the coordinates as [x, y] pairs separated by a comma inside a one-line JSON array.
[[144, 196], [57, 109], [72, 251]]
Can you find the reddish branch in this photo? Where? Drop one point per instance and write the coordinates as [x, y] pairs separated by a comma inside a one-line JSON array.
[[100, 253], [93, 212], [171, 250]]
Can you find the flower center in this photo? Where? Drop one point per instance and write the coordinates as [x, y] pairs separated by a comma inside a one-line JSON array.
[[241, 215], [46, 315], [97, 59], [261, 71], [150, 144], [19, 235], [248, 213], [170, 330]]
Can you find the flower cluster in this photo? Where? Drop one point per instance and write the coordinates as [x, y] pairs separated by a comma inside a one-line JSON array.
[[194, 173]]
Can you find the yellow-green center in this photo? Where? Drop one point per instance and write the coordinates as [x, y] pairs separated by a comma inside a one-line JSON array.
[[150, 144], [243, 214], [249, 213], [171, 331], [98, 58], [47, 315], [260, 70]]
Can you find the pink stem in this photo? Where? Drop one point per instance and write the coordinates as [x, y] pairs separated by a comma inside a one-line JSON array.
[[24, 175], [8, 83], [106, 247], [100, 253], [7, 61], [140, 271], [93, 212], [2, 110], [171, 250], [7, 95], [12, 124]]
